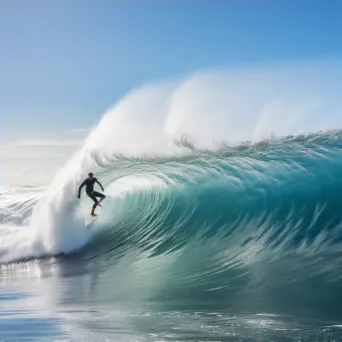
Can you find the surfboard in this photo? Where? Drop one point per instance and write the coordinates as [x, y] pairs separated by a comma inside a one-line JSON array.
[[90, 219]]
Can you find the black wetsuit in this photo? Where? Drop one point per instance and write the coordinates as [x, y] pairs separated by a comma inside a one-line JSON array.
[[89, 183]]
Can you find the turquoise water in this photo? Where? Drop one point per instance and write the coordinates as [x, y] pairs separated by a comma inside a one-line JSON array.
[[237, 244]]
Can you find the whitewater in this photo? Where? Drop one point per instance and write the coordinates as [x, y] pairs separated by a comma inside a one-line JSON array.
[[222, 219]]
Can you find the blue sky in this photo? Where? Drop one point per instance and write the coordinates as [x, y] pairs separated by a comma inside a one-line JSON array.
[[63, 63]]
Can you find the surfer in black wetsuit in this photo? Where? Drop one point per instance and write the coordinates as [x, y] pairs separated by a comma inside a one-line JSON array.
[[89, 183]]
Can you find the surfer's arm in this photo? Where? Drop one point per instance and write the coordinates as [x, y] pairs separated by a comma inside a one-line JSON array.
[[80, 188], [96, 180]]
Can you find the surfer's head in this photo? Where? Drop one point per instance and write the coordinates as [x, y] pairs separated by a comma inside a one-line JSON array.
[[90, 175]]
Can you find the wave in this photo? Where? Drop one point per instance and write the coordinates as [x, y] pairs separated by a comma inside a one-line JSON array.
[[231, 223], [212, 219]]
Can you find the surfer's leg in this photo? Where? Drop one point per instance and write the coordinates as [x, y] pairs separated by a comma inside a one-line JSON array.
[[93, 209], [102, 197], [91, 195]]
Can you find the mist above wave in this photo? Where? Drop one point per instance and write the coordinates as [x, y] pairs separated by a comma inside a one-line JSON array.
[[221, 105]]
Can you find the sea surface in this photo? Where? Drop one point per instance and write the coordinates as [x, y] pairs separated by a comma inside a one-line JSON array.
[[238, 243]]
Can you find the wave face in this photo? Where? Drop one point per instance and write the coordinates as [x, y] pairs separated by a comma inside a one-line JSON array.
[[252, 227]]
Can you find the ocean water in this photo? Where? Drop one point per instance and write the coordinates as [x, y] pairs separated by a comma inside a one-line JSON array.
[[233, 245], [196, 241]]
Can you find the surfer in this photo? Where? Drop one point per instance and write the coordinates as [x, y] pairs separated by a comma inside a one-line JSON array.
[[89, 183]]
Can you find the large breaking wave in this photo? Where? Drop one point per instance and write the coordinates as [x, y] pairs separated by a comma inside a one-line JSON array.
[[211, 193]]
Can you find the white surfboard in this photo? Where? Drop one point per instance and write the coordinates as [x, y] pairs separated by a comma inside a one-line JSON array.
[[90, 219]]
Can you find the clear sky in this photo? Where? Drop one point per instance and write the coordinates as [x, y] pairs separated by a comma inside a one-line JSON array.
[[63, 63]]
